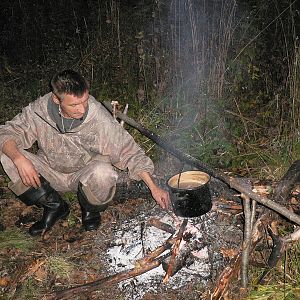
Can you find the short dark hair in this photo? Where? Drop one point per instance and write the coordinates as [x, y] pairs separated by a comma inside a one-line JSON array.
[[68, 82]]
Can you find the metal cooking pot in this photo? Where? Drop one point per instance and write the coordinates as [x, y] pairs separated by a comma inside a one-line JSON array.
[[189, 193]]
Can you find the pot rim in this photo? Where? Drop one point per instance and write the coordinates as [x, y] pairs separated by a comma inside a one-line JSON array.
[[200, 177]]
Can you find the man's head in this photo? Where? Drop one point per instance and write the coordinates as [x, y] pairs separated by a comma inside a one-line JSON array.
[[71, 92], [68, 82]]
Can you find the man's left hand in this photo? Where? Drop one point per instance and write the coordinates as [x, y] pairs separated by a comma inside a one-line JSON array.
[[161, 197]]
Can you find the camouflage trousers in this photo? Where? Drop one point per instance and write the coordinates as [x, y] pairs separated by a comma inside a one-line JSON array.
[[98, 178]]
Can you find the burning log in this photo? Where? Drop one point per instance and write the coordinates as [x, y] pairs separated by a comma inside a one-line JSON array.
[[160, 225], [155, 253], [147, 263], [232, 182], [183, 259], [171, 266]]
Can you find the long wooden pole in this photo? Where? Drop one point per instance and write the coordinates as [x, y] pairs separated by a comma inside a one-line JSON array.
[[232, 182]]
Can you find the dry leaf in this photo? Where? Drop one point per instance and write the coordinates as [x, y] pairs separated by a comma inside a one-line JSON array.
[[228, 252], [294, 200], [262, 189], [40, 274], [4, 281]]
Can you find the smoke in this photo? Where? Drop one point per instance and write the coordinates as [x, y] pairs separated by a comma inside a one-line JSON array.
[[198, 41]]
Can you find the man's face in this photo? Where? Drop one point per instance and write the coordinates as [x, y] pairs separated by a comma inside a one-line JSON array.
[[72, 106]]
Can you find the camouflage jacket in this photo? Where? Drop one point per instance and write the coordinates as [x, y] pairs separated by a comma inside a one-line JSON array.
[[98, 137]]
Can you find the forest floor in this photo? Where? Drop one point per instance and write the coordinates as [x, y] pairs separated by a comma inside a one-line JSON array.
[[67, 256]]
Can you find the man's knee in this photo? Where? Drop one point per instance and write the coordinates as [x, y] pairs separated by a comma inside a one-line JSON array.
[[104, 173], [99, 183]]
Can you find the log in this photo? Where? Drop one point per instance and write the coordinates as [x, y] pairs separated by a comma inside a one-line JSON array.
[[155, 253], [172, 263], [280, 194], [287, 182], [107, 281], [234, 183], [161, 225], [183, 259]]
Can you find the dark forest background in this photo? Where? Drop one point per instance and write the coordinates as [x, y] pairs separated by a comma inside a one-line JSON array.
[[219, 79]]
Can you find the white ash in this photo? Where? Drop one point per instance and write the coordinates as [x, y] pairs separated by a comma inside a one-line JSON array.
[[135, 239]]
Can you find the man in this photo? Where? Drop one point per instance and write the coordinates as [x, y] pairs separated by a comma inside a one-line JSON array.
[[79, 147]]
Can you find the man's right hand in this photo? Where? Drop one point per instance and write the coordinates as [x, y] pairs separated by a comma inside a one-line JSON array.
[[27, 172], [25, 167]]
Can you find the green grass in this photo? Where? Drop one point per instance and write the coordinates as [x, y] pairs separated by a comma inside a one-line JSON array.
[[283, 282], [14, 238], [59, 266], [275, 292]]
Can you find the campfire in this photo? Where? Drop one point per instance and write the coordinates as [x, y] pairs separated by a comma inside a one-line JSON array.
[[161, 250], [175, 242], [157, 251]]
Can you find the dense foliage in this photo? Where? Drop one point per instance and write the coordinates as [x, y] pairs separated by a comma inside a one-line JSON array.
[[217, 78]]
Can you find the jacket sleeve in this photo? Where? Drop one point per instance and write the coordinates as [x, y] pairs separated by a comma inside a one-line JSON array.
[[124, 152], [21, 129]]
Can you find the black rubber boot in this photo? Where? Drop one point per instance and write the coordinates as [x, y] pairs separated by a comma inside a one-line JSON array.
[[90, 214], [54, 206]]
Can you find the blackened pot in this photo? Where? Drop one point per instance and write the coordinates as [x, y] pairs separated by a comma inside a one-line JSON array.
[[190, 195]]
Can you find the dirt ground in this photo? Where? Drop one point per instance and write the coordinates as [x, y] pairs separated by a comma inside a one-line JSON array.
[[67, 256]]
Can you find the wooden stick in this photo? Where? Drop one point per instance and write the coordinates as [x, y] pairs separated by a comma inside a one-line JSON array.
[[161, 225], [125, 113], [293, 237], [153, 254], [107, 281], [175, 251], [246, 241], [230, 271], [232, 182], [223, 281]]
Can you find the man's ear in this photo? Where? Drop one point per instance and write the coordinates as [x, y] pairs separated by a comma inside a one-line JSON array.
[[55, 99]]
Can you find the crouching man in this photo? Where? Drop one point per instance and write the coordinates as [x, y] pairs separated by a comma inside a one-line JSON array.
[[79, 147]]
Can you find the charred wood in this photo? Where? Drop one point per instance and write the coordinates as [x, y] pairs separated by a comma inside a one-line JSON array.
[[183, 259], [161, 225], [275, 256], [175, 251]]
